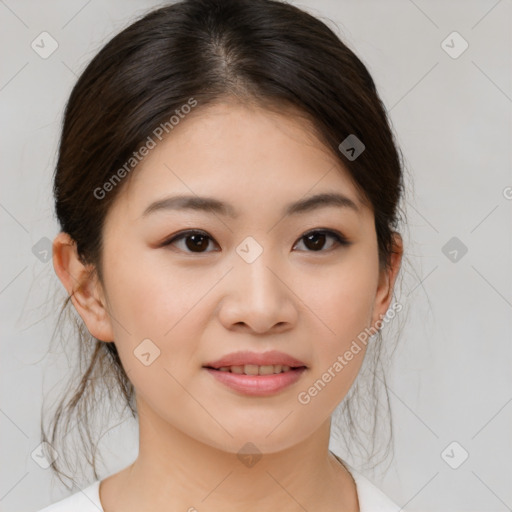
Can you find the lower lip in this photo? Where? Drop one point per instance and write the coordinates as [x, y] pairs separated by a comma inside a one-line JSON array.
[[258, 385]]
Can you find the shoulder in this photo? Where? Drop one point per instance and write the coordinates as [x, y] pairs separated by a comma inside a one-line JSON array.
[[371, 498], [86, 500]]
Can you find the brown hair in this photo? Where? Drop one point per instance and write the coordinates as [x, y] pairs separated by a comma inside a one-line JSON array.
[[265, 51]]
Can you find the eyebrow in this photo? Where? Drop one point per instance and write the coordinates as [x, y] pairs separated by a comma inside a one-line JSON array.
[[210, 204]]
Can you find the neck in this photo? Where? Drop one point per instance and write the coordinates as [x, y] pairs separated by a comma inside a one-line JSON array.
[[174, 471]]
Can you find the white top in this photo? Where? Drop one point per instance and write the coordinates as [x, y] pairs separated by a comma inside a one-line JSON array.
[[371, 498]]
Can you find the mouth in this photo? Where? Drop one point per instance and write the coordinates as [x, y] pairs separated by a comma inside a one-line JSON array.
[[257, 381], [256, 373], [253, 369]]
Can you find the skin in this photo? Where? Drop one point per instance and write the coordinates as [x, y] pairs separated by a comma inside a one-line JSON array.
[[198, 306]]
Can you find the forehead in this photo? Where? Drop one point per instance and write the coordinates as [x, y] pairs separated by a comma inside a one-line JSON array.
[[245, 155]]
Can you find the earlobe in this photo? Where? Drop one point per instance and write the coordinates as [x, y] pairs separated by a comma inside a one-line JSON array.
[[387, 280], [82, 284]]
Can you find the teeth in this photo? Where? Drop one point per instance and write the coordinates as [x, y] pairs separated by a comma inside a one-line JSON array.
[[268, 369], [253, 369]]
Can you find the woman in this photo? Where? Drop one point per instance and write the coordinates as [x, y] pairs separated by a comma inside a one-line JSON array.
[[227, 189]]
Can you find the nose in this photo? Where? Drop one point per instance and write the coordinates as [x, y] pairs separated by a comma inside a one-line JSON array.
[[258, 298]]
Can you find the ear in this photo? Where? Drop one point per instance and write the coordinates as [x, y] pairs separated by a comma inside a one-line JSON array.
[[387, 280], [82, 284]]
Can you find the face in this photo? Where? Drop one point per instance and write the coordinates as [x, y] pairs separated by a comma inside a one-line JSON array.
[[187, 286]]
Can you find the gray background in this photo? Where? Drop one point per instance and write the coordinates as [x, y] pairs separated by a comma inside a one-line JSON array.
[[451, 379]]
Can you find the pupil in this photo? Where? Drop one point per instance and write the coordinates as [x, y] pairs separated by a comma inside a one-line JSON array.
[[315, 238]]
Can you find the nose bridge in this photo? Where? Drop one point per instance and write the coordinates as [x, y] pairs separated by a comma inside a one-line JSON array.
[[258, 298], [255, 278]]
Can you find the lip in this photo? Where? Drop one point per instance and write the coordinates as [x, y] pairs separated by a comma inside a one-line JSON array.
[[257, 385], [242, 358]]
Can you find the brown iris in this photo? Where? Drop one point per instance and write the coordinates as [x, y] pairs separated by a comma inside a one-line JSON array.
[[197, 242], [316, 240]]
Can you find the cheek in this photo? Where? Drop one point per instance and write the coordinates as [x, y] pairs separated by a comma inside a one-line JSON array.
[[343, 302], [155, 313], [151, 300], [343, 297]]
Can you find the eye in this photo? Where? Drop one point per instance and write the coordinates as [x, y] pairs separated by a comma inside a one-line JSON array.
[[315, 240], [195, 241]]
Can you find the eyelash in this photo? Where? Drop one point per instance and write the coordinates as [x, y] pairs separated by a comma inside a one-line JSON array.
[[337, 236]]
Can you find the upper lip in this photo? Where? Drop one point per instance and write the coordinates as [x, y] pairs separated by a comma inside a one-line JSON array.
[[242, 358]]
